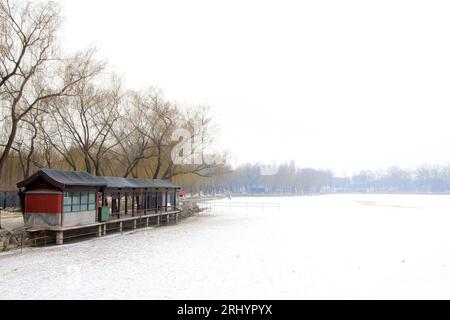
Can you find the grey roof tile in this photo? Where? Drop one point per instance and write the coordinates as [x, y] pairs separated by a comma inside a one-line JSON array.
[[79, 179]]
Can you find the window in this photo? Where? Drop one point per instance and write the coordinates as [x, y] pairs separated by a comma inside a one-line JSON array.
[[92, 201], [79, 201], [75, 201], [84, 201], [67, 202], [75, 197]]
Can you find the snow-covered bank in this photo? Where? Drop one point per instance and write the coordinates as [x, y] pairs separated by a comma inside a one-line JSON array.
[[335, 246]]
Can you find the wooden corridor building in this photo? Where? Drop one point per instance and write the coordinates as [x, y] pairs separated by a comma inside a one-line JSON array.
[[57, 200]]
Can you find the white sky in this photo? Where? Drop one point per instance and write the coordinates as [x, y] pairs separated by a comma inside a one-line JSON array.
[[344, 85]]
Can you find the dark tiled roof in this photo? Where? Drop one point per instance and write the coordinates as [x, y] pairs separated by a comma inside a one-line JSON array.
[[118, 182], [63, 179], [72, 178]]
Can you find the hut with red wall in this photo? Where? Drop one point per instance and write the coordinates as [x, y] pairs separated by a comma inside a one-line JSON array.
[[45, 194], [64, 199]]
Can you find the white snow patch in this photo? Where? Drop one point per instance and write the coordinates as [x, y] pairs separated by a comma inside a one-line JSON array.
[[334, 246]]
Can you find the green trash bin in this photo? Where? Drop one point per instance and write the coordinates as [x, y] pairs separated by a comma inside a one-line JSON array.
[[104, 214]]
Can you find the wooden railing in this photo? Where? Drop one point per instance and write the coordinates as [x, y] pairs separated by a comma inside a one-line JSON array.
[[143, 212]]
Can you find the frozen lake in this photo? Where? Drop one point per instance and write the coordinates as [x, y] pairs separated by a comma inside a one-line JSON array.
[[333, 246]]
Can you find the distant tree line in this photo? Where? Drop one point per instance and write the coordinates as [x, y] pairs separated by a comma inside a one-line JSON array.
[[425, 179], [284, 178], [71, 112], [289, 179]]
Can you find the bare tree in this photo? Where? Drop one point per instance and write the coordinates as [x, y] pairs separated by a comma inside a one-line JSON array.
[[83, 122], [56, 109], [144, 136], [31, 68], [132, 134], [25, 142], [198, 122], [46, 149], [163, 119]]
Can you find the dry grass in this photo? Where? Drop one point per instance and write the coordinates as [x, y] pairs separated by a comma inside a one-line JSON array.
[[11, 220]]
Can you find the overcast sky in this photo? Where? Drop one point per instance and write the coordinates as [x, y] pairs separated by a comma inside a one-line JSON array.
[[344, 85]]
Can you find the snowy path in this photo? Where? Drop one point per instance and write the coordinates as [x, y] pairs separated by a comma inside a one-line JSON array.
[[336, 246]]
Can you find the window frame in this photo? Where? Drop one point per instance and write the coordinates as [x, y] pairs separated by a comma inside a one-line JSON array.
[[80, 201]]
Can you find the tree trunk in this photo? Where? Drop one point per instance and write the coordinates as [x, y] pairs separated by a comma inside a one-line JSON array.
[[30, 156], [158, 166], [98, 171], [5, 154], [87, 163]]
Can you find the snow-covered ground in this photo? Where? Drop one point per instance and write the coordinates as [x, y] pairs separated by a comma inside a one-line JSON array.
[[334, 246]]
